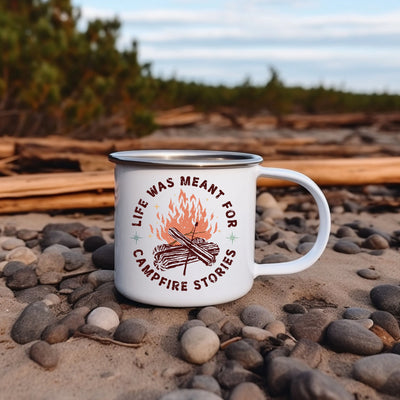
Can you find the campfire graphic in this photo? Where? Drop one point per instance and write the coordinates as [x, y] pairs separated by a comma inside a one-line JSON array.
[[185, 229]]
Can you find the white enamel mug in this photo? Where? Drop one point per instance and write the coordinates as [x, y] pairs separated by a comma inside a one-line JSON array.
[[185, 225]]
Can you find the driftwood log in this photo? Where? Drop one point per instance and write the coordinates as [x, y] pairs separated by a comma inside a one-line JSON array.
[[80, 190]]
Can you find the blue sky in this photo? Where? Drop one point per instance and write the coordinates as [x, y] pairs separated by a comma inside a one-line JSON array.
[[345, 44]]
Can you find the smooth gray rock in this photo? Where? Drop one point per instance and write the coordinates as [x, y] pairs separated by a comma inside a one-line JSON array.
[[12, 266], [97, 278], [23, 278], [368, 273], [310, 326], [349, 336], [210, 315], [44, 354], [346, 247], [59, 237], [205, 382], [131, 330], [388, 322], [73, 260], [356, 313], [375, 242], [308, 351], [379, 371], [12, 243], [245, 354], [31, 322], [35, 293], [294, 308], [27, 234], [256, 315], [387, 298], [232, 374], [312, 385], [281, 371], [103, 257], [92, 243]]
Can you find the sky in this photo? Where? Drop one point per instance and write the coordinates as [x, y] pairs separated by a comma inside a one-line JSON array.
[[342, 44]]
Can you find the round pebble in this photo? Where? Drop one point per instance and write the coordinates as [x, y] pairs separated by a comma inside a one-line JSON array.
[[305, 247], [210, 315], [379, 371], [90, 231], [12, 266], [31, 322], [55, 333], [281, 371], [190, 394], [27, 234], [275, 327], [387, 298], [205, 382], [356, 313], [12, 243], [245, 354], [58, 237], [311, 385], [44, 354], [349, 336], [48, 262], [346, 247], [51, 278], [73, 260], [22, 278], [256, 315], [97, 278], [189, 324], [308, 351], [56, 248], [388, 322], [375, 242], [92, 243], [199, 344], [131, 330], [310, 326], [103, 257], [368, 273], [294, 308], [23, 254], [252, 332], [232, 373], [73, 228], [246, 391], [345, 231], [104, 318]]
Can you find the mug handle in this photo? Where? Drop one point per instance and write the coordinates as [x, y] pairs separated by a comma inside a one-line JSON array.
[[312, 256]]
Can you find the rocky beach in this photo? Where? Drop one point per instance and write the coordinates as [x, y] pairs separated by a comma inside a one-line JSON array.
[[330, 331]]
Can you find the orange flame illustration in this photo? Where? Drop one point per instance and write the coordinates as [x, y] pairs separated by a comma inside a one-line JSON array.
[[183, 215]]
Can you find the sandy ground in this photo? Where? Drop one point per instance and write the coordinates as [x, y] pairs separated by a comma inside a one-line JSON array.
[[91, 370]]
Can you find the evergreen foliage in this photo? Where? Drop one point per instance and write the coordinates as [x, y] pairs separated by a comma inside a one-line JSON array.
[[56, 78]]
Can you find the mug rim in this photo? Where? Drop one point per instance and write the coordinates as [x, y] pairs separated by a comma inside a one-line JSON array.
[[185, 158]]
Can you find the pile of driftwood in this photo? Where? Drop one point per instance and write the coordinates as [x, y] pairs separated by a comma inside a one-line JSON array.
[[57, 173]]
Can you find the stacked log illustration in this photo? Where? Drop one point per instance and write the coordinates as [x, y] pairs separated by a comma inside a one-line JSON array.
[[188, 251]]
